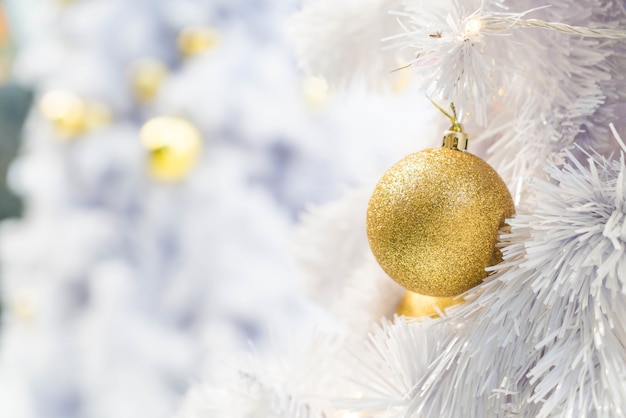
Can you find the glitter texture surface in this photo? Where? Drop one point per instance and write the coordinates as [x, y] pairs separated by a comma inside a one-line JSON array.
[[433, 221]]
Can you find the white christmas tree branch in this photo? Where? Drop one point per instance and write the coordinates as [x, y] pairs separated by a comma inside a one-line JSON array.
[[500, 23], [481, 22]]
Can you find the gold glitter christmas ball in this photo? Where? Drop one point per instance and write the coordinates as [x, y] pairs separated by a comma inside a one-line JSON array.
[[174, 145], [417, 306], [433, 221], [72, 116], [194, 40], [147, 76], [66, 111]]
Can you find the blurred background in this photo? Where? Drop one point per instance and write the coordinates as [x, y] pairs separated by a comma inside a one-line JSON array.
[[155, 156]]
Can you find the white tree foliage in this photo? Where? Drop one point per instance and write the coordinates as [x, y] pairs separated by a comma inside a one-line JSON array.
[[535, 90], [546, 335], [337, 268], [389, 365], [297, 385], [342, 40], [550, 89], [117, 289]]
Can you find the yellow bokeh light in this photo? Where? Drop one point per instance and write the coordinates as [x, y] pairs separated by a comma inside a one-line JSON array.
[[473, 27], [23, 307], [147, 76], [315, 90], [72, 116], [174, 145], [194, 40], [65, 110]]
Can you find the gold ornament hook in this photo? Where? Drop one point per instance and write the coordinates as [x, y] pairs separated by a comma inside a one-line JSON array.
[[455, 137]]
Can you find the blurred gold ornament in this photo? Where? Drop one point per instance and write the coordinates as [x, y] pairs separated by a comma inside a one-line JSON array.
[[174, 145], [433, 218], [416, 305], [72, 116], [194, 40], [315, 90], [147, 76], [66, 111], [24, 309]]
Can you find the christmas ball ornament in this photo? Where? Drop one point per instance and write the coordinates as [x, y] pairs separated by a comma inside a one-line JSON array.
[[72, 116], [433, 218], [66, 111], [147, 76], [174, 145], [194, 40], [417, 306]]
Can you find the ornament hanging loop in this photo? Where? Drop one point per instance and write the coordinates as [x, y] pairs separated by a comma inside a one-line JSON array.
[[455, 137]]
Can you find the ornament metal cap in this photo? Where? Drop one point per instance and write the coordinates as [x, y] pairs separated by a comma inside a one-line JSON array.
[[455, 137]]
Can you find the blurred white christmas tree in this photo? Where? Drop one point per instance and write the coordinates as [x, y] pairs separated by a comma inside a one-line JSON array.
[[538, 86], [171, 145]]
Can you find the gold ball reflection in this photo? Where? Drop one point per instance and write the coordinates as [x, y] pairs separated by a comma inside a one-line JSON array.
[[417, 306]]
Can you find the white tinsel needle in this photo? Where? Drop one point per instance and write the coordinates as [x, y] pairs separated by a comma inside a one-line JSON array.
[[618, 138], [562, 27]]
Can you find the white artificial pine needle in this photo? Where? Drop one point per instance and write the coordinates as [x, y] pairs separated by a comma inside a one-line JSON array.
[[617, 136], [297, 385], [337, 268], [341, 40], [535, 92]]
